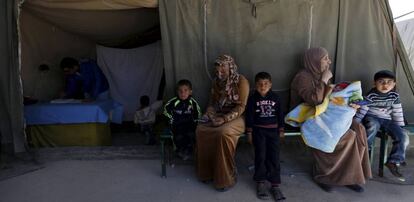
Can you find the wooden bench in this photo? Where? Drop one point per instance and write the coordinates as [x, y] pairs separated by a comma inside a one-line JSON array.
[[383, 153], [166, 156]]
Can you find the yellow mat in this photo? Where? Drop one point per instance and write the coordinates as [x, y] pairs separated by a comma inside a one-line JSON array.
[[88, 134]]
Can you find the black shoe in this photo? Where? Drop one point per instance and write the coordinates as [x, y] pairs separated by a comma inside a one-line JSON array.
[[393, 169], [404, 164], [261, 191], [326, 187], [224, 189], [277, 194], [355, 187], [207, 181]]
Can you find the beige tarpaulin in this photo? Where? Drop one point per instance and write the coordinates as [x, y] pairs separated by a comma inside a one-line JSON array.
[[95, 4]]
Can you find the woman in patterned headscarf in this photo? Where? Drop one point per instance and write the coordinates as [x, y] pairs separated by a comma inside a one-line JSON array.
[[348, 164], [217, 138]]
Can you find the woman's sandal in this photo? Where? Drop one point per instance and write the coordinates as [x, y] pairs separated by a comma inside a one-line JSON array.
[[261, 191], [277, 194]]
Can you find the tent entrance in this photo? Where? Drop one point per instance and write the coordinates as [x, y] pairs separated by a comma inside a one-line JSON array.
[[123, 39]]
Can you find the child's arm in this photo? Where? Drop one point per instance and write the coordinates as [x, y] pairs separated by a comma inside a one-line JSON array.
[[361, 112], [168, 110], [196, 109], [136, 118], [397, 113], [281, 118]]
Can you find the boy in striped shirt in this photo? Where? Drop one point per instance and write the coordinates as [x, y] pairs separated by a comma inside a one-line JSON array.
[[385, 112]]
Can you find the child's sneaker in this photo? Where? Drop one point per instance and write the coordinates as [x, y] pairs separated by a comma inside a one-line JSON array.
[[183, 155], [393, 169], [277, 194], [261, 191]]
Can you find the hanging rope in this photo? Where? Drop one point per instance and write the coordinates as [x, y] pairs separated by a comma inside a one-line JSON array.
[[205, 40], [310, 24], [256, 3]]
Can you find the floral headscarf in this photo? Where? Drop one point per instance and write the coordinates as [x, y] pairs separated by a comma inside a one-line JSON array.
[[312, 61], [228, 90]]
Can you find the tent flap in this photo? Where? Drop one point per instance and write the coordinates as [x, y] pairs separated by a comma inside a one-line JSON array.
[[11, 104], [95, 4]]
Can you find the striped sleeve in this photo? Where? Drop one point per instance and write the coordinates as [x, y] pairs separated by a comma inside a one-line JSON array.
[[362, 111], [397, 113]]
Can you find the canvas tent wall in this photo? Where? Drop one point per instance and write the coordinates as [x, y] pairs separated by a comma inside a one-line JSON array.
[[271, 35], [11, 104], [268, 35]]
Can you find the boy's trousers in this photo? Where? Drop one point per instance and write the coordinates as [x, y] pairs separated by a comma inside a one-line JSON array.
[[266, 161]]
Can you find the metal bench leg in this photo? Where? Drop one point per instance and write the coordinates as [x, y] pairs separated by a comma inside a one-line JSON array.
[[163, 160], [371, 153], [170, 155], [383, 154]]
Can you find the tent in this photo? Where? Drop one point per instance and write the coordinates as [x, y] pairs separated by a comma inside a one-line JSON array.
[[406, 30], [262, 35]]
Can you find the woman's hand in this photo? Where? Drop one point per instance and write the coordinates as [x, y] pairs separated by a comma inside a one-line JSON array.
[[218, 121], [204, 119], [329, 89], [355, 106], [326, 75]]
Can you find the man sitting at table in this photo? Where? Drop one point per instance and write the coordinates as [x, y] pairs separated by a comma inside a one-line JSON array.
[[83, 80]]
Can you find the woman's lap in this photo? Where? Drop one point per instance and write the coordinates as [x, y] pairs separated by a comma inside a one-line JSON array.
[[348, 164], [215, 151]]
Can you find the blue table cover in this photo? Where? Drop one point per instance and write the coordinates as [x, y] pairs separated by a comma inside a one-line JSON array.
[[100, 111]]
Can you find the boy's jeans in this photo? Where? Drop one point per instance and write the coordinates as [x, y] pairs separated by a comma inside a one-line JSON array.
[[373, 124]]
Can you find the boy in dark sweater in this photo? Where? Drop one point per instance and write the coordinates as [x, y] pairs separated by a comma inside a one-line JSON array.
[[183, 112], [264, 123]]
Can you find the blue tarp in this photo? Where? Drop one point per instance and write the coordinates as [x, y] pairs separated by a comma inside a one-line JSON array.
[[100, 111]]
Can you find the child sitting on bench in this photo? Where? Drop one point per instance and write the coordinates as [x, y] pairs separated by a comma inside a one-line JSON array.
[[183, 112], [385, 112]]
